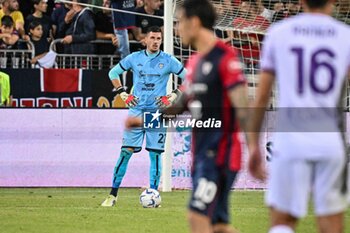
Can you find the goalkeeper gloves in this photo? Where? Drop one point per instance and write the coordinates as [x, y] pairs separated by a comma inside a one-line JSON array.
[[129, 99], [167, 100]]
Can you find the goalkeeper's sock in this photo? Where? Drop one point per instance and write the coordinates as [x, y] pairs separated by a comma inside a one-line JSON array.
[[281, 229], [120, 169], [155, 169], [114, 191]]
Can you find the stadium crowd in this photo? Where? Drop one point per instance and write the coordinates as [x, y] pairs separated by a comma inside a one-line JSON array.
[[43, 21]]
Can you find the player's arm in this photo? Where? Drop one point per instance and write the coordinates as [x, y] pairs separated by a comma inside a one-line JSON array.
[[129, 99], [255, 164], [239, 99], [114, 75], [234, 82], [263, 92], [266, 79], [178, 69]]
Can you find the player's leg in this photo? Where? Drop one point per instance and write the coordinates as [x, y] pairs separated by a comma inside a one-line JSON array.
[[288, 192], [282, 222], [118, 174], [132, 142], [220, 219], [155, 140], [204, 196], [155, 168], [330, 194], [331, 223], [199, 223], [123, 38], [120, 169], [224, 228]]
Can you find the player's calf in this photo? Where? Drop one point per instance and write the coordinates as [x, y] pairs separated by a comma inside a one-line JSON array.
[[224, 228], [155, 168], [282, 222], [199, 223], [331, 223]]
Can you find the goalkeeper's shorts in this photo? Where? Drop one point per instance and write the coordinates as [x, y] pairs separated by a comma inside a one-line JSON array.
[[133, 138]]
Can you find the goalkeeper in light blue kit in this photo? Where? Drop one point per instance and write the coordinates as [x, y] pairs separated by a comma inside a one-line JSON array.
[[151, 69]]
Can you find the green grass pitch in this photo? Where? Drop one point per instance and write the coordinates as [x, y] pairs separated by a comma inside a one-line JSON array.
[[77, 210]]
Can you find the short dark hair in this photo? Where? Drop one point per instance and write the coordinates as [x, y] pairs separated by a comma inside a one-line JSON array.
[[34, 24], [83, 1], [7, 21], [203, 9], [314, 4], [153, 29], [36, 2]]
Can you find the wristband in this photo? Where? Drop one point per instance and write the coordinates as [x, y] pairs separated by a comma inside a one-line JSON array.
[[120, 90]]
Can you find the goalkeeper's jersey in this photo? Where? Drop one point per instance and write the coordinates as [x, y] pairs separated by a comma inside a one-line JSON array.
[[150, 75]]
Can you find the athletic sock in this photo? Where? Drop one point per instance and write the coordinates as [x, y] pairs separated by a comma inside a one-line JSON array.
[[120, 170], [114, 192], [281, 229], [155, 169]]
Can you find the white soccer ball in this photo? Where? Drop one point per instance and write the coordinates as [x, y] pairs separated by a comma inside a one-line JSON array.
[[150, 198]]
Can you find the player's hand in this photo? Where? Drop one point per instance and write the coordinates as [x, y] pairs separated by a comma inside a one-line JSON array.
[[132, 122], [129, 99], [165, 101], [256, 166], [168, 100]]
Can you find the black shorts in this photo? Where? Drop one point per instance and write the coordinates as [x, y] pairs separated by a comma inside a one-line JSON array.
[[211, 189]]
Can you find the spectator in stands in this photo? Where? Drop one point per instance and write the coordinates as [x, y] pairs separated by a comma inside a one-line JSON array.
[[10, 7], [289, 8], [342, 11], [25, 7], [8, 34], [40, 8], [266, 8], [139, 3], [59, 20], [122, 22], [104, 29], [249, 42], [96, 3], [5, 90], [50, 6], [249, 17], [280, 10], [224, 14], [293, 7], [151, 7], [82, 30], [41, 45]]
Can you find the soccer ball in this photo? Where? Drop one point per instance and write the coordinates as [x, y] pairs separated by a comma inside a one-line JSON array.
[[150, 198]]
